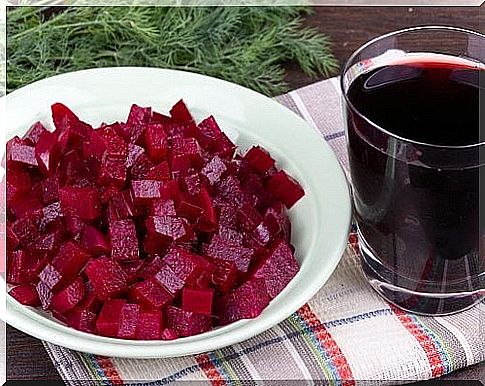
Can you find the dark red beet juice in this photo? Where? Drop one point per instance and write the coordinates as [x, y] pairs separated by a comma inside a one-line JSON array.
[[414, 150]]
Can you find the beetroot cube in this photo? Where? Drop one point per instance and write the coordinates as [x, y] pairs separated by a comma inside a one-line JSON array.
[[68, 124], [69, 296], [187, 323], [165, 229], [45, 294], [18, 183], [19, 267], [169, 280], [106, 276], [124, 241], [134, 153], [47, 191], [47, 153], [285, 188], [26, 294], [22, 154], [132, 269], [277, 268], [226, 250], [26, 228], [191, 183], [188, 147], [208, 131], [277, 222], [150, 294], [149, 325], [74, 225], [259, 159], [51, 277], [160, 172], [21, 207], [169, 334], [179, 112], [82, 202], [128, 321], [189, 207], [33, 134], [156, 142], [52, 213], [163, 207], [228, 215], [48, 243], [141, 168], [159, 118], [108, 321], [214, 170], [207, 222], [71, 259], [231, 235], [197, 300], [248, 217], [116, 148], [179, 165], [90, 301], [82, 319], [152, 267], [230, 190], [262, 235], [112, 173], [122, 206], [224, 147], [95, 241], [225, 275], [188, 266], [12, 239], [145, 191], [95, 147], [246, 302], [139, 116]]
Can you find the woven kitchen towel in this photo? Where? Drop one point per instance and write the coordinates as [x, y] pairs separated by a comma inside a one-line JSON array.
[[346, 334]]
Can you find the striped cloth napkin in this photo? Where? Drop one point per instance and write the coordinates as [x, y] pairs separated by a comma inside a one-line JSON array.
[[346, 334]]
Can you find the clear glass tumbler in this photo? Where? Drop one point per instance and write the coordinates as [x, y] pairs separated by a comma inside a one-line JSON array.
[[416, 143]]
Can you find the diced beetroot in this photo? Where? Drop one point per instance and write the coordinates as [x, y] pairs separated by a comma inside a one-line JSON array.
[[259, 159], [18, 183], [122, 206], [189, 207], [246, 302], [90, 301], [50, 214], [141, 168], [22, 207], [169, 334], [47, 191], [21, 153], [214, 170], [163, 207], [143, 192], [230, 190], [82, 319], [179, 112], [207, 222], [156, 142], [132, 270], [208, 131], [108, 192], [223, 249], [26, 228], [231, 235], [179, 165], [95, 241], [149, 325], [95, 147], [285, 188], [248, 217], [74, 225], [69, 296], [150, 294], [159, 118], [160, 172], [138, 118], [33, 134], [225, 276], [25, 294], [197, 300], [262, 235], [187, 323], [108, 320], [128, 321], [134, 153], [187, 266], [189, 148], [52, 278], [45, 294], [167, 278], [191, 183], [82, 202], [68, 124], [278, 268], [71, 259], [12, 239], [106, 276], [47, 153], [277, 222], [112, 173], [124, 241], [48, 243], [151, 267], [162, 230], [228, 215], [224, 147], [19, 267]]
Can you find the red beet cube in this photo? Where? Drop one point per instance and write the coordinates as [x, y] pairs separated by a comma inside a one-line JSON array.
[[214, 170], [187, 323], [12, 239], [189, 207], [156, 142], [21, 207], [47, 153], [248, 217], [71, 259], [47, 191], [197, 300], [179, 165], [220, 248], [84, 203], [246, 302], [95, 241], [124, 241], [68, 125], [107, 277], [188, 266], [162, 230], [207, 132], [33, 134], [224, 147], [179, 112], [151, 267], [159, 118], [138, 118], [132, 269], [169, 280], [19, 267], [285, 188], [277, 268], [108, 321], [26, 294], [74, 225], [122, 206], [189, 148], [21, 153], [150, 294], [45, 294], [27, 227], [52, 278], [69, 296], [141, 168], [112, 173], [225, 275], [51, 214], [128, 321], [258, 159], [82, 319], [163, 207], [207, 222], [18, 183], [143, 192], [191, 183], [149, 325], [115, 147], [160, 172], [134, 153], [48, 243], [169, 334]]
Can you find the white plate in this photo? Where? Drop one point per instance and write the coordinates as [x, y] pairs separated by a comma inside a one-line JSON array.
[[320, 221]]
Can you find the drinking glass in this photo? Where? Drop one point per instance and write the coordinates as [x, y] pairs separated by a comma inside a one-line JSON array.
[[418, 205]]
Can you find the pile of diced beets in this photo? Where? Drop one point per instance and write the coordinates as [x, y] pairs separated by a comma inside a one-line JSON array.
[[149, 229]]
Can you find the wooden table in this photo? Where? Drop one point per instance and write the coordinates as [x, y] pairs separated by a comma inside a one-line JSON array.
[[348, 28]]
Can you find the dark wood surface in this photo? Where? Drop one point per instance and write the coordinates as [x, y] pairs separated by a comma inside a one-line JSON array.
[[348, 28]]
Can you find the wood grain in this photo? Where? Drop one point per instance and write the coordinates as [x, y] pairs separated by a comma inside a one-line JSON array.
[[348, 28]]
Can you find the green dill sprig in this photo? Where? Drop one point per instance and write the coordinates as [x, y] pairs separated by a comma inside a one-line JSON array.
[[245, 45]]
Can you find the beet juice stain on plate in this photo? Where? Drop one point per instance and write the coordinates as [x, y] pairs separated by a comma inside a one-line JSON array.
[[416, 159]]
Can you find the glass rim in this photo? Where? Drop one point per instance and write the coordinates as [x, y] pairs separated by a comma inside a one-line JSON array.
[[347, 66]]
